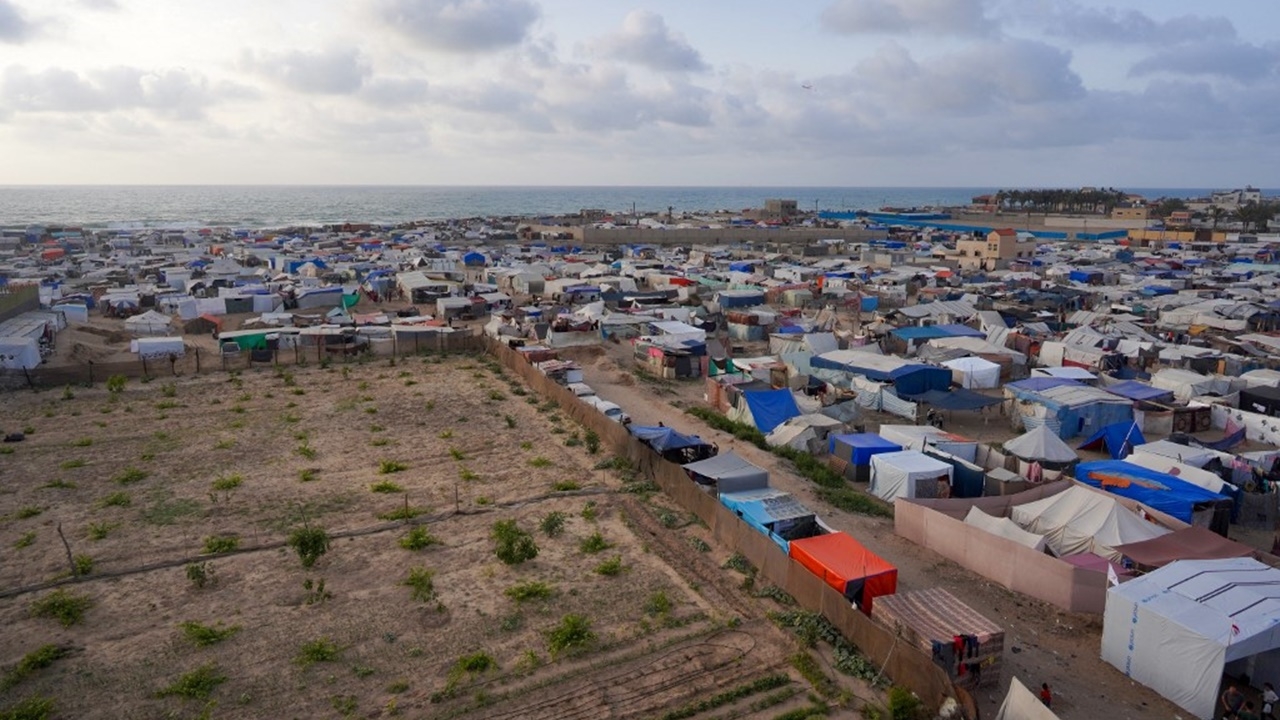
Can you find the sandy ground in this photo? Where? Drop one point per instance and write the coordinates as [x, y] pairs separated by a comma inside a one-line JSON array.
[[474, 450], [1042, 643]]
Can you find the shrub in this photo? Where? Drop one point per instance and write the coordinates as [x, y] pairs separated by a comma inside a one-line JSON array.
[[404, 512], [386, 467], [116, 499], [308, 475], [418, 538], [36, 707], [457, 454], [116, 383], [129, 475], [81, 565], [72, 464], [421, 585], [513, 545], [310, 543], [37, 659], [386, 486], [60, 484], [29, 511], [82, 442], [565, 486], [540, 462], [322, 650], [215, 544], [27, 540], [205, 635], [657, 604], [552, 524], [592, 439], [200, 574], [903, 705], [611, 567], [227, 483], [573, 633], [306, 451], [65, 607], [529, 590], [510, 421], [198, 684], [589, 512], [593, 544]]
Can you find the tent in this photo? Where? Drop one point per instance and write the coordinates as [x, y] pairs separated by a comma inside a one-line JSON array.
[[19, 353], [974, 372], [672, 445], [728, 472], [1118, 438], [1041, 445], [1194, 456], [776, 514], [1005, 528], [158, 347], [1135, 390], [770, 408], [856, 449], [958, 399], [1022, 704], [844, 564], [1079, 520], [1189, 543], [909, 474], [798, 431], [1178, 629], [1155, 489], [149, 324], [919, 437]]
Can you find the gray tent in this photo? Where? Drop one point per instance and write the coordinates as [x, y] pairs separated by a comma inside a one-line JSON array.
[[1041, 445], [728, 472]]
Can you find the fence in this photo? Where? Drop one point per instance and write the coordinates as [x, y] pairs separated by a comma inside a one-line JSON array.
[[905, 664], [199, 361]]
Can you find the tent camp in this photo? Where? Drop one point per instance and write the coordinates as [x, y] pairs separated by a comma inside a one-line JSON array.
[[1005, 528], [1158, 491], [1022, 704], [728, 472], [775, 514], [909, 474], [1178, 629], [844, 564], [973, 373], [1079, 520], [671, 445], [1043, 446], [765, 409], [149, 324], [1119, 439]]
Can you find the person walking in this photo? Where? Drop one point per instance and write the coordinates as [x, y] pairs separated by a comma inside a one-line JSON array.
[[1046, 695], [1232, 702]]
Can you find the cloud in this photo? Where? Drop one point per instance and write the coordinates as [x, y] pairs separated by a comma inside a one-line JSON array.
[[172, 93], [646, 40], [1234, 60], [462, 26], [102, 5], [1108, 25], [14, 27], [929, 17], [326, 72], [395, 91]]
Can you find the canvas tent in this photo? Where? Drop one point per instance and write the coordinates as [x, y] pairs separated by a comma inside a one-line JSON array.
[[844, 564], [1041, 445], [149, 324], [909, 474], [1005, 528], [799, 431], [974, 372], [728, 472], [1178, 629], [19, 353], [1079, 520], [1022, 704]]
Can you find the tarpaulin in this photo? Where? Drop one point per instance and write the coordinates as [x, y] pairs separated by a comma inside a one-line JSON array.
[[857, 448], [1157, 490], [771, 408], [1135, 390], [1119, 438], [958, 399], [844, 564]]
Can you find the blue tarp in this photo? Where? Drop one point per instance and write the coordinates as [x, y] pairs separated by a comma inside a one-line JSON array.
[[663, 439], [870, 304], [862, 445], [1157, 490], [1038, 384], [1083, 275], [770, 408], [1119, 439], [773, 513], [930, 332], [1135, 390], [958, 399], [473, 259], [742, 267]]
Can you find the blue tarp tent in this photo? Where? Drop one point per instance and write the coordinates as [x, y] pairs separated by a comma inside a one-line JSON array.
[[770, 408], [958, 399], [857, 448], [774, 513], [1157, 490], [1135, 390], [1119, 439], [473, 259], [673, 445], [1039, 384]]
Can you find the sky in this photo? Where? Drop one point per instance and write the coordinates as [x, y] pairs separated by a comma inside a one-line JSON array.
[[928, 93]]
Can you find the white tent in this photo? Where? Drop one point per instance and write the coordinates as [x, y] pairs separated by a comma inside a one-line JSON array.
[[798, 431], [1192, 474], [1176, 629], [917, 437], [1194, 456], [149, 324], [19, 353], [974, 372], [1005, 528], [1079, 520], [1022, 704], [900, 474], [1041, 444], [157, 347]]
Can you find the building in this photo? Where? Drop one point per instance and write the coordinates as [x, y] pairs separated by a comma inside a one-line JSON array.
[[1233, 199], [780, 209], [994, 252], [1127, 211]]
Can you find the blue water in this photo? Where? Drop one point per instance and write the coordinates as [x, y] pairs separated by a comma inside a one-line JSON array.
[[245, 206]]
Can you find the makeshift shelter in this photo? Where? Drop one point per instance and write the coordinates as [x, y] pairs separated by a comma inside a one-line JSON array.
[[856, 450], [150, 348], [1022, 704], [973, 372], [909, 474], [1194, 456], [765, 409], [149, 324], [920, 437], [1140, 392], [1067, 407], [673, 446], [801, 431], [1118, 438], [1189, 543], [931, 619], [1042, 446], [1178, 629], [1189, 503], [1078, 520], [844, 564], [909, 378], [776, 514], [728, 472], [1005, 528], [19, 353], [1185, 384]]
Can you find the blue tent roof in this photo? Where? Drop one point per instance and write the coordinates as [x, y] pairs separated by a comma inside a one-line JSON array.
[[864, 446], [1038, 384], [958, 399], [930, 332], [1157, 490], [663, 439], [1119, 439], [1135, 390], [771, 408]]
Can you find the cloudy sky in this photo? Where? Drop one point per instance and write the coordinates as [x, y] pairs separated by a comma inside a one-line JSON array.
[[1137, 93]]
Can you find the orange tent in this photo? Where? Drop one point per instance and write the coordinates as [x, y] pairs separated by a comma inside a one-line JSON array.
[[844, 564]]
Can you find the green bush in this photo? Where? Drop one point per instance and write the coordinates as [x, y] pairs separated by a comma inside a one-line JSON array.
[[215, 544], [386, 467], [37, 659], [81, 565], [129, 475], [593, 544], [205, 635], [904, 705], [529, 590], [386, 486], [322, 650], [116, 383], [513, 545], [36, 707], [421, 584], [418, 538], [65, 607], [611, 567], [198, 684], [310, 543], [552, 525], [200, 574], [572, 634]]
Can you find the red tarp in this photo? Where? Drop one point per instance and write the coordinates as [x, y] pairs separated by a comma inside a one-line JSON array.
[[844, 564]]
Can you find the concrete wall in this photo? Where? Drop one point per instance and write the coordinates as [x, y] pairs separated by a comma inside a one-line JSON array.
[[17, 299], [691, 236]]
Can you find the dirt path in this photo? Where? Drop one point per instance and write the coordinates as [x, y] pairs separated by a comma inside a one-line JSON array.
[[1042, 643]]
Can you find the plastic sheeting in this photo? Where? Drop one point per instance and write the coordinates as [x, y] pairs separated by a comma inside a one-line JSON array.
[[770, 408], [1022, 704], [901, 474], [730, 472], [974, 372], [1041, 444], [1118, 438], [1078, 520], [1157, 490], [844, 564]]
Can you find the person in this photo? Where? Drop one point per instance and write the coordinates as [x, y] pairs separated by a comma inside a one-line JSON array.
[[1269, 700], [1046, 696], [1232, 701], [1247, 713]]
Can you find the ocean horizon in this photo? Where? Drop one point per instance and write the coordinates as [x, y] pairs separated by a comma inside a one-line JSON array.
[[269, 206]]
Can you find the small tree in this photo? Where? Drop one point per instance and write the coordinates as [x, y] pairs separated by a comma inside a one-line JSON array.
[[115, 384], [514, 546], [310, 543]]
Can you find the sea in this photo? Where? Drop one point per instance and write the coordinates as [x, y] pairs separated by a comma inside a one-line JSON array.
[[276, 206]]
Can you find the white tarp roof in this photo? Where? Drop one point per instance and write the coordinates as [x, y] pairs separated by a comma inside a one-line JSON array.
[[1041, 443], [1022, 704], [1175, 628], [896, 474], [1194, 456], [1192, 474], [1005, 528], [975, 372], [1078, 520]]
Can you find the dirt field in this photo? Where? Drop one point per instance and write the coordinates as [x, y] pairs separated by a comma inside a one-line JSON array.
[[1042, 643], [138, 482]]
